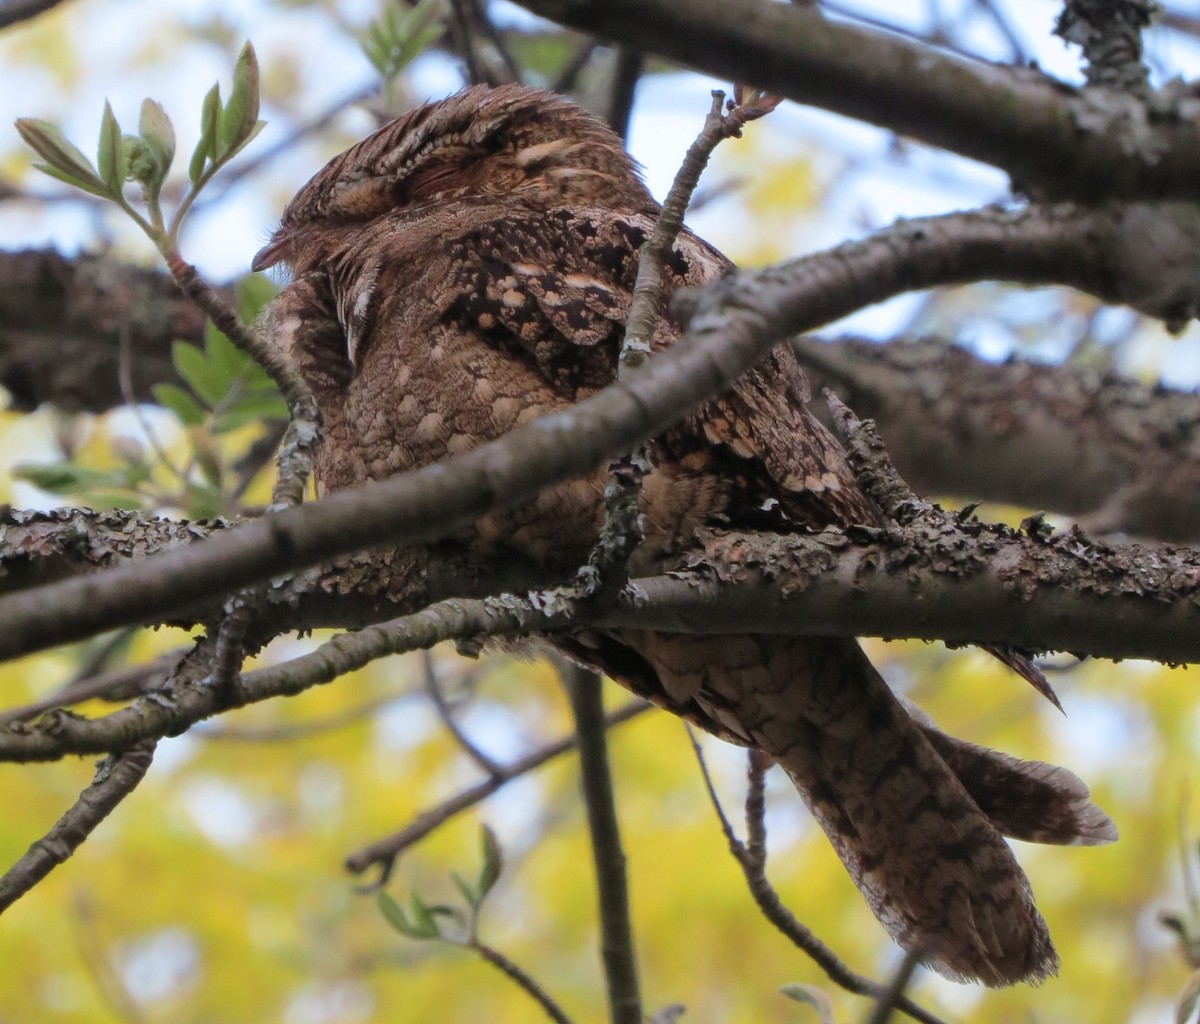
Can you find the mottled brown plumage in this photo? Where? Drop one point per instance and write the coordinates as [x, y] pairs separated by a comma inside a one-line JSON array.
[[467, 269]]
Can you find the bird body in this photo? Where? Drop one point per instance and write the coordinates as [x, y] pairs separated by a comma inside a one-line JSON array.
[[468, 269]]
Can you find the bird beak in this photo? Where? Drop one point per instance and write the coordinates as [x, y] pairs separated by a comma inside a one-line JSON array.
[[273, 252]]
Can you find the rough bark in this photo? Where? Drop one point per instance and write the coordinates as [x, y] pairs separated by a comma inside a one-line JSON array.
[[1123, 455]]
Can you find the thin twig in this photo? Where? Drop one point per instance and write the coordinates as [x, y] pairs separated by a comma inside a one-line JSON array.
[[299, 730], [116, 777], [94, 953], [605, 573], [616, 928], [300, 441], [460, 33], [433, 687], [881, 1012], [296, 452], [568, 74], [114, 685], [385, 851], [774, 911], [522, 979], [496, 38]]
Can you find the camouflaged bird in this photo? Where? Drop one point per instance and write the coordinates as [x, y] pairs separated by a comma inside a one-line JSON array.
[[467, 269]]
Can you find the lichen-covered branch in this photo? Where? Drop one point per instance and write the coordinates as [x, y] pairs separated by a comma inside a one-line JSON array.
[[1123, 455], [116, 777], [1143, 254]]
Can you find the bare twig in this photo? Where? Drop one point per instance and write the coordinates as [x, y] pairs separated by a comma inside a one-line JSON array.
[[460, 33], [300, 441], [646, 302], [433, 687], [114, 685], [116, 777], [496, 38], [568, 74], [182, 703], [616, 928], [881, 1012], [752, 861], [522, 979], [385, 851]]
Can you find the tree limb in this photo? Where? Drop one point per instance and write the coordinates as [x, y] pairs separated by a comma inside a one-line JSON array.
[[1054, 141], [1141, 254]]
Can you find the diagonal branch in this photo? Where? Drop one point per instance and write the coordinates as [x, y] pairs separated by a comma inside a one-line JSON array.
[[1043, 133], [752, 859], [384, 852], [116, 777], [1141, 254]]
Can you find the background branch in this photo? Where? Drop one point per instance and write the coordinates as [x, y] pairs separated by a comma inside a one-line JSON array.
[[608, 858]]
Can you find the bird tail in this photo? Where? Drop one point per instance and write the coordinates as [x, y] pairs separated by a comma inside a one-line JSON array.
[[917, 816]]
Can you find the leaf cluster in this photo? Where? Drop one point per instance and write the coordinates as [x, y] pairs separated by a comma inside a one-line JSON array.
[[146, 158], [423, 920], [400, 35]]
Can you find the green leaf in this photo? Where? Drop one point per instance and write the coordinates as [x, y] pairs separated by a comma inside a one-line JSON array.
[[240, 116], [250, 137], [206, 380], [810, 995], [110, 158], [63, 160], [157, 132], [392, 42], [256, 408], [493, 862], [69, 478], [223, 353], [398, 919], [204, 501], [206, 148], [180, 403], [93, 186], [423, 918], [464, 887], [151, 153], [252, 292]]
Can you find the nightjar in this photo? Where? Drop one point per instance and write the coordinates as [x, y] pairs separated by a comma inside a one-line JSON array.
[[468, 268]]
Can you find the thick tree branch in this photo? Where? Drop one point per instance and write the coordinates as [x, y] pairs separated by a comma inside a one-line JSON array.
[[1125, 455], [62, 321], [1141, 254], [1052, 140]]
